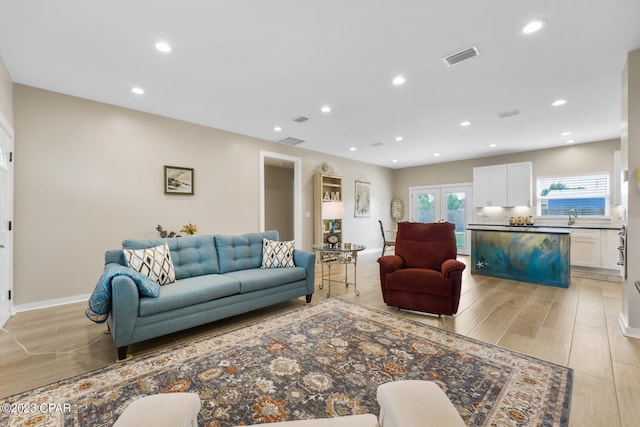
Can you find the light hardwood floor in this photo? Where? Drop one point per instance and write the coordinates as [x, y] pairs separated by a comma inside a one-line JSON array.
[[576, 327]]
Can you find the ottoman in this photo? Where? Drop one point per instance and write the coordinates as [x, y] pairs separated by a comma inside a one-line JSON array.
[[162, 410]]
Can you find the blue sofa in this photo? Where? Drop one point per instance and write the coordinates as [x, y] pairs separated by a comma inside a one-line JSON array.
[[217, 276]]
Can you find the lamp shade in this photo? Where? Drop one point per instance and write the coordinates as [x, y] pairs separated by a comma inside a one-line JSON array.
[[332, 210]]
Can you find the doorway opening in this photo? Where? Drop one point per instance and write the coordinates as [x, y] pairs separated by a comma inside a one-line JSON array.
[[281, 195]]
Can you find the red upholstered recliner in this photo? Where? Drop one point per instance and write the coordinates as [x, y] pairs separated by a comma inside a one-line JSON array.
[[424, 274]]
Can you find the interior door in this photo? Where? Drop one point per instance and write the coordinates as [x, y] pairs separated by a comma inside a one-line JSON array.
[[6, 216], [445, 203]]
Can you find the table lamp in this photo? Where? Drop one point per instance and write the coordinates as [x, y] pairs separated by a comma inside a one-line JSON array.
[[332, 211]]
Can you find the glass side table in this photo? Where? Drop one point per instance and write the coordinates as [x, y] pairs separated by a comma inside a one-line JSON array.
[[340, 253]]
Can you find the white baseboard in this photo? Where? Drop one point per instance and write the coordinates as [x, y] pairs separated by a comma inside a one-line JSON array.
[[51, 303], [626, 330]]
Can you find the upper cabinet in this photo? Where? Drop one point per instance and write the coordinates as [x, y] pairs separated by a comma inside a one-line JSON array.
[[490, 186], [502, 185], [519, 184]]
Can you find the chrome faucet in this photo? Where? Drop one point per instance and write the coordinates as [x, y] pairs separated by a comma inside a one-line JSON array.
[[572, 216]]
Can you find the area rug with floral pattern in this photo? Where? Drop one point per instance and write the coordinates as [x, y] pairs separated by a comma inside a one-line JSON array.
[[322, 360]]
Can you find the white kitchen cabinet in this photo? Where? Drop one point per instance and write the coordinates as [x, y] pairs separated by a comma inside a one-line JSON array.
[[585, 248], [490, 186], [519, 177]]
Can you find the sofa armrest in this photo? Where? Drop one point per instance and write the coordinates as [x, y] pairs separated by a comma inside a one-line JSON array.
[[125, 299], [307, 260]]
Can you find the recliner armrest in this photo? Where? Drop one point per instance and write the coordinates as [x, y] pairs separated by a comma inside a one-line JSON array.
[[391, 263], [452, 266]]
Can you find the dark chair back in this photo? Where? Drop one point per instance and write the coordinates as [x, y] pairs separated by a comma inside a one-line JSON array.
[[423, 245]]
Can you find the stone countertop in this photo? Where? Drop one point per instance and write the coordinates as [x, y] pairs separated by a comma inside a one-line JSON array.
[[543, 226], [519, 228]]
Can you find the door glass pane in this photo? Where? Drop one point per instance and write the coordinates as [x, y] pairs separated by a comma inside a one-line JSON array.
[[425, 207], [456, 214]]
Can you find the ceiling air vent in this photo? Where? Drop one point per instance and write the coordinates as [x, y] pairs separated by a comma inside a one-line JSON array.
[[510, 113], [291, 141], [377, 144], [301, 119], [461, 56]]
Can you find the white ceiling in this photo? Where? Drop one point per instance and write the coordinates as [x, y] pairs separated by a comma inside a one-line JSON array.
[[249, 65]]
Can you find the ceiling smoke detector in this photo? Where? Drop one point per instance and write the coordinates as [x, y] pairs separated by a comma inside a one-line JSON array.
[[461, 56], [291, 141]]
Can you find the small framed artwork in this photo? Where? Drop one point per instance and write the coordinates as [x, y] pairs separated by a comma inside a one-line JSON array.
[[363, 199], [178, 180]]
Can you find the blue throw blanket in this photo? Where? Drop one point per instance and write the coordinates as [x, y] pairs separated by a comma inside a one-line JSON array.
[[100, 301]]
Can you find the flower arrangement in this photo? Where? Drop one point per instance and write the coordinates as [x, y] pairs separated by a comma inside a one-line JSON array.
[[190, 229]]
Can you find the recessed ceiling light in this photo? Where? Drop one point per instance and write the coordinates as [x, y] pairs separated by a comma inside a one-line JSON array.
[[394, 161], [137, 90], [559, 102], [326, 109], [399, 138], [399, 80], [163, 47], [436, 154], [533, 26], [492, 145], [352, 149], [567, 133], [277, 128], [465, 123], [570, 141]]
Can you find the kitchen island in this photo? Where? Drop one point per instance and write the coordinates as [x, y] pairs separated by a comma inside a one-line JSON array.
[[529, 254]]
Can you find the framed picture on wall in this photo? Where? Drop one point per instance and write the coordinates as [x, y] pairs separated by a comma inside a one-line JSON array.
[[363, 199], [178, 180]]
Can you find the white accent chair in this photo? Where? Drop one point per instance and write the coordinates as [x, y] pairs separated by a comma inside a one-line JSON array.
[[162, 410]]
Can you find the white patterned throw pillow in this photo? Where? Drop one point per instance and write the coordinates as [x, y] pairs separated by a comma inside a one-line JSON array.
[[153, 262], [277, 254]]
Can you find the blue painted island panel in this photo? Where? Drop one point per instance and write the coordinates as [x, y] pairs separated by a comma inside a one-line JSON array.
[[528, 257]]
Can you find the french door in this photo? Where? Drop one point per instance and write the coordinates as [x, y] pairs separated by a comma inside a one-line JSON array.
[[444, 203]]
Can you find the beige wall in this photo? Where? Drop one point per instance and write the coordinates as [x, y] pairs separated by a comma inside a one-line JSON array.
[[573, 159], [6, 93], [89, 175]]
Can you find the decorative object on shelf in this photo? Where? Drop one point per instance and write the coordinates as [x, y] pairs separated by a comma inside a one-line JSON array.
[[178, 180], [325, 168], [165, 233], [397, 210], [190, 229], [362, 199]]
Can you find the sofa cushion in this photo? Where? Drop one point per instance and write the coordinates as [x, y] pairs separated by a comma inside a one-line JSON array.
[[189, 291], [262, 278], [154, 263], [276, 254], [191, 255], [241, 252]]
